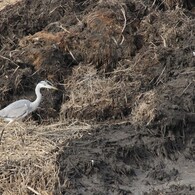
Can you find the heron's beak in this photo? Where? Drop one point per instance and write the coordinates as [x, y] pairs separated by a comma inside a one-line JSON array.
[[54, 88]]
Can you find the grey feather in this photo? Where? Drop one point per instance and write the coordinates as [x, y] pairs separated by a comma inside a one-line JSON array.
[[16, 110]]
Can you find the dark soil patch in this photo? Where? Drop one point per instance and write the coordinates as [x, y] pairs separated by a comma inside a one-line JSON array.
[[101, 165], [117, 159]]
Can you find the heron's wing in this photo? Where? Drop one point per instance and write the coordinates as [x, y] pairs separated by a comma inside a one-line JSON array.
[[16, 110]]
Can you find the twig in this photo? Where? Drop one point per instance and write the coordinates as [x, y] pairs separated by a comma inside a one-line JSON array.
[[124, 25], [189, 72], [185, 89], [1, 135], [160, 76], [164, 41], [33, 190], [55, 9], [114, 40], [72, 55], [125, 19], [123, 38], [80, 22], [64, 28], [9, 60], [56, 125], [15, 70]]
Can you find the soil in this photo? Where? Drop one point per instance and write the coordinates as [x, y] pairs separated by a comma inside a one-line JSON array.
[[126, 68], [116, 159]]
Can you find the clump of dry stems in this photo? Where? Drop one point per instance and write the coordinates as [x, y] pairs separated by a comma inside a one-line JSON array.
[[28, 156]]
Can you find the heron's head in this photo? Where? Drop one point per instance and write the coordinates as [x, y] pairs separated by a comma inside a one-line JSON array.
[[46, 84]]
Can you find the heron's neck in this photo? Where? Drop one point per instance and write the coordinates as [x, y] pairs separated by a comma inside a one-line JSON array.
[[36, 103]]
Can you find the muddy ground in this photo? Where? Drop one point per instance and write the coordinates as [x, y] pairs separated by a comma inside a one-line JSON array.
[[125, 71]]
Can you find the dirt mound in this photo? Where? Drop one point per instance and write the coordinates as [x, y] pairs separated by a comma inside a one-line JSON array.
[[128, 63], [88, 164], [117, 159]]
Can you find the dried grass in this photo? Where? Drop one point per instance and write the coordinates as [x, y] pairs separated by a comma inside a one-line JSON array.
[[28, 162], [168, 28], [92, 95], [88, 89], [98, 42], [145, 108]]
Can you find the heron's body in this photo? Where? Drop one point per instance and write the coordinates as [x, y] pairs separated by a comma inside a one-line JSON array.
[[21, 108]]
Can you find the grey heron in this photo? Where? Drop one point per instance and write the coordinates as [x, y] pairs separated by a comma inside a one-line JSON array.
[[21, 108]]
